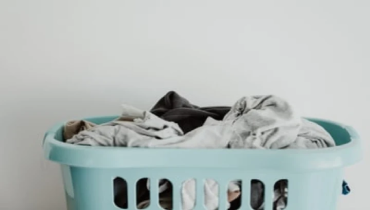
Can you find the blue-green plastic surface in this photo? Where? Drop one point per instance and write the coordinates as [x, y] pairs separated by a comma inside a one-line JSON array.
[[314, 176]]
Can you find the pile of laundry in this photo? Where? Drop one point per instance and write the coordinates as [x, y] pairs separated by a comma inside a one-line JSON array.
[[255, 122]]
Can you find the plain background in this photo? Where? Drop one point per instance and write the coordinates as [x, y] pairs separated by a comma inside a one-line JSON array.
[[69, 59]]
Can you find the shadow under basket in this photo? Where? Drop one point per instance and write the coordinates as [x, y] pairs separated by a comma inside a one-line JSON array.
[[314, 176]]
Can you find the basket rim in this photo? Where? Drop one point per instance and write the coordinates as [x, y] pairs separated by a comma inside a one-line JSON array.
[[123, 157]]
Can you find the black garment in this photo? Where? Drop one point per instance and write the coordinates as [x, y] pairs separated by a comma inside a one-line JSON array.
[[173, 107]]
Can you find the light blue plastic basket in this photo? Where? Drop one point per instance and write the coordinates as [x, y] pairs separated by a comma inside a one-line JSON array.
[[315, 176]]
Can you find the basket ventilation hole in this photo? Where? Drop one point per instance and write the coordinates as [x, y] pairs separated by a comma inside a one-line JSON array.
[[165, 194], [257, 194], [280, 194], [188, 193], [120, 193], [234, 196]]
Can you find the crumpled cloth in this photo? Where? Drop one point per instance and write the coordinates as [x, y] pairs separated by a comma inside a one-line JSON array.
[[269, 122], [256, 122], [74, 127], [133, 129]]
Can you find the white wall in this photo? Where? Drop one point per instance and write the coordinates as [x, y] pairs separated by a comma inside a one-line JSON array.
[[74, 58]]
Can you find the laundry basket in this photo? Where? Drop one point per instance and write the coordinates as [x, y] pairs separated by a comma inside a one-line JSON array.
[[314, 176]]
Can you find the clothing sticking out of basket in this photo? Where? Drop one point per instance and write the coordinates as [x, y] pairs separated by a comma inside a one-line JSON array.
[[174, 108], [257, 122]]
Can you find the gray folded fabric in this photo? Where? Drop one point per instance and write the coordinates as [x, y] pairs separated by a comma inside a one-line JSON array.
[[133, 129], [263, 122], [269, 122], [311, 136], [213, 134]]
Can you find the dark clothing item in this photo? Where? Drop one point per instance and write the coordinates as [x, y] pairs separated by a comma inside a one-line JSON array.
[[173, 107]]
